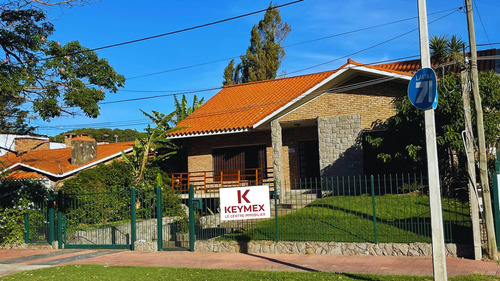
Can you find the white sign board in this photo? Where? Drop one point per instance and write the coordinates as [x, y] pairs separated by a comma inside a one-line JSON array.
[[243, 203]]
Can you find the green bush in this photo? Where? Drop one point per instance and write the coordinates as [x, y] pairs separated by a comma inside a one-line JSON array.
[[18, 198], [114, 177]]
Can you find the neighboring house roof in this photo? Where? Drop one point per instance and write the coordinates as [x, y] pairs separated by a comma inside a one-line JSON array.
[[239, 108], [57, 162]]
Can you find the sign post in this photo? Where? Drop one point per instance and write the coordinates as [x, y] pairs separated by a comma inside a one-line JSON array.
[[423, 97]]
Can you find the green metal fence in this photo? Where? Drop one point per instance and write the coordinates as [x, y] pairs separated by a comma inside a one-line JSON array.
[[97, 220], [39, 223], [377, 209]]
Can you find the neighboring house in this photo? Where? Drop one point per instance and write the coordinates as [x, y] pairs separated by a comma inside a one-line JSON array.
[[292, 128], [24, 143], [53, 166]]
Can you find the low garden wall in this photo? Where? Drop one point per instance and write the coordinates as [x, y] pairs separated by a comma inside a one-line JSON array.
[[330, 248]]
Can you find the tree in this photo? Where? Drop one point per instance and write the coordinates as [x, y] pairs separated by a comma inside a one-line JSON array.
[[103, 134], [51, 78], [182, 110], [265, 53], [446, 52]]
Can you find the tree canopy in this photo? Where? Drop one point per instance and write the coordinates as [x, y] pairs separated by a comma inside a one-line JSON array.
[[103, 134], [265, 53], [41, 78]]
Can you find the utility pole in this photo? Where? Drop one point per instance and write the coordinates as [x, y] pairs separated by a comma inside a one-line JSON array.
[[438, 249], [491, 245], [471, 167]]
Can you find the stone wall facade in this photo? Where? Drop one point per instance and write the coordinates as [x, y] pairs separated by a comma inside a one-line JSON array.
[[330, 248], [340, 148]]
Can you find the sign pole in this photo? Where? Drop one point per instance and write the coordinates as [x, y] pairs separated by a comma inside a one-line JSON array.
[[438, 248]]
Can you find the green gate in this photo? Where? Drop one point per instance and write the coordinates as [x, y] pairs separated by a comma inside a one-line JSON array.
[[113, 220], [97, 220]]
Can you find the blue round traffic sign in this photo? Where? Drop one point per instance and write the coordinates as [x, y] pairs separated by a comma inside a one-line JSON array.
[[422, 90]]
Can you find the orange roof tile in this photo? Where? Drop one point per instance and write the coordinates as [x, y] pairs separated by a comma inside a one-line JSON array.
[[58, 161], [23, 175], [239, 107], [412, 66], [83, 138]]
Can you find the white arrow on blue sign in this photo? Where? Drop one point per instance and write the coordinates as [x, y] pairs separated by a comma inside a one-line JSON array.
[[422, 90]]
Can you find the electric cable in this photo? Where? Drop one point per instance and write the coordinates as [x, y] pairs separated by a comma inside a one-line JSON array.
[[481, 20], [286, 46], [373, 46]]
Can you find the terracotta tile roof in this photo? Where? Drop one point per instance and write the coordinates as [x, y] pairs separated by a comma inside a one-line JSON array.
[[58, 161], [412, 66], [83, 138], [23, 175], [404, 68], [239, 107], [409, 67]]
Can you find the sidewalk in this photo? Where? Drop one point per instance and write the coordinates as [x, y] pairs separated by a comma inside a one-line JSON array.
[[24, 259]]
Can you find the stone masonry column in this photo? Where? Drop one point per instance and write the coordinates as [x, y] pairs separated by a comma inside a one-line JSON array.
[[277, 141], [340, 149]]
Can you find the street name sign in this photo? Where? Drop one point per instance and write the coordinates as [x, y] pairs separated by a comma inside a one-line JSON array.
[[422, 90], [243, 203]]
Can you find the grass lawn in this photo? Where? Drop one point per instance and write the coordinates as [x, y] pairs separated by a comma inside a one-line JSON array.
[[99, 272], [400, 218]]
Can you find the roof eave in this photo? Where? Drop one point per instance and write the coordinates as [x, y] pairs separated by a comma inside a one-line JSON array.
[[204, 134], [59, 176]]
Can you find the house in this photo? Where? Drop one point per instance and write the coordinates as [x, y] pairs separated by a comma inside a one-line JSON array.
[[55, 165], [300, 127], [297, 127]]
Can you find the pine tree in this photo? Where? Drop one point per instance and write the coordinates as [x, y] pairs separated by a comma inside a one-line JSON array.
[[265, 53]]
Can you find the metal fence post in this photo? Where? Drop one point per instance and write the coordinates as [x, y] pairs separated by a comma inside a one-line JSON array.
[[191, 218], [374, 212], [26, 228], [59, 220], [133, 232], [159, 219], [50, 206], [496, 204], [276, 212]]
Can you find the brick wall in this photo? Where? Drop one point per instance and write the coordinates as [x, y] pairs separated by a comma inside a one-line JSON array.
[[374, 103], [29, 144]]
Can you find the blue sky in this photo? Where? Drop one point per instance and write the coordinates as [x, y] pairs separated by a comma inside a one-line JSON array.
[[107, 22]]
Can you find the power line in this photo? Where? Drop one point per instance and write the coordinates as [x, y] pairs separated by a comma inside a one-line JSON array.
[[481, 20], [227, 110], [489, 44], [176, 31], [219, 88], [161, 96], [290, 45], [373, 46]]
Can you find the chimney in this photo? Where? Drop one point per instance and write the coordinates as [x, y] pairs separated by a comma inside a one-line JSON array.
[[83, 150], [69, 136], [26, 144]]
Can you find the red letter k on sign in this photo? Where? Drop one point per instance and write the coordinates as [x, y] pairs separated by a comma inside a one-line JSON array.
[[243, 196]]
